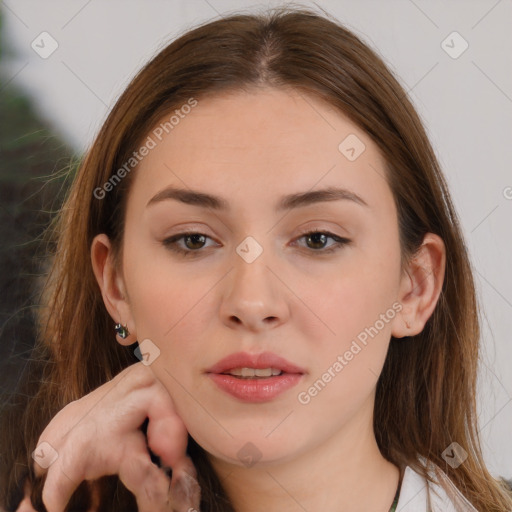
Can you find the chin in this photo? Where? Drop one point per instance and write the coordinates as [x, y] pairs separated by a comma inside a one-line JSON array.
[[250, 447]]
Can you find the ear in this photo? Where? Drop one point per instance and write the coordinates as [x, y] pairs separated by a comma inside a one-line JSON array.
[[420, 287], [111, 283]]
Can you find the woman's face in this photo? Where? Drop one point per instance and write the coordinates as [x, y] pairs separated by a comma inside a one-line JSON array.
[[254, 281]]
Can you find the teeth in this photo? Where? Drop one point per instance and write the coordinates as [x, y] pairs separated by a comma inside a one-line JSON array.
[[248, 373]]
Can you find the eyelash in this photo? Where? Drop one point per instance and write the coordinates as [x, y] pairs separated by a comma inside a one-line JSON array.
[[171, 242]]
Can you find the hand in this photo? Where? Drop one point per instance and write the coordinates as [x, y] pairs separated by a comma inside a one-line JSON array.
[[99, 435]]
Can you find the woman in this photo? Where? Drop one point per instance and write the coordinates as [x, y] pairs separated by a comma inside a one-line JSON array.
[[262, 211]]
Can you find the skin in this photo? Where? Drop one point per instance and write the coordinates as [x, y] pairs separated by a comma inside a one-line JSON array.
[[99, 435], [251, 148]]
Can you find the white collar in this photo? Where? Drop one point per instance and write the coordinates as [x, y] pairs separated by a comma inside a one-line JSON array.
[[416, 493]]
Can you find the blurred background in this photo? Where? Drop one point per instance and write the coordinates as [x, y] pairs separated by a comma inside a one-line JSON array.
[[64, 63]]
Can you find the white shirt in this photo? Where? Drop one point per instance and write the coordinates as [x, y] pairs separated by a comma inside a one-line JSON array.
[[418, 495]]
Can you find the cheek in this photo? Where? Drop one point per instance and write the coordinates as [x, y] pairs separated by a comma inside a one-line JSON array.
[[357, 296], [345, 366], [168, 302], [359, 311], [349, 355]]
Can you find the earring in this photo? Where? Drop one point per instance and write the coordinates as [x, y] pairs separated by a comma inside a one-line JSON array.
[[121, 331]]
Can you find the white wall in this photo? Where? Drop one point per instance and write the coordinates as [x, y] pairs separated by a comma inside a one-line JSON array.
[[465, 102]]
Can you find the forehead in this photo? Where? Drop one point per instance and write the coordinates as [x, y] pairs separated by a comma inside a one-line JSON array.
[[258, 142]]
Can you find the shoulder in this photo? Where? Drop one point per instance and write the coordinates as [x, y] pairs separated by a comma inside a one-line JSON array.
[[417, 494]]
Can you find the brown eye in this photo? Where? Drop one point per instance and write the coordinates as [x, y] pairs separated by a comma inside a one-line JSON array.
[[196, 241], [192, 243], [316, 241]]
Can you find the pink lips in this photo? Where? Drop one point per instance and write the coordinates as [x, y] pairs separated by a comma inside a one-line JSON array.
[[260, 389], [263, 360]]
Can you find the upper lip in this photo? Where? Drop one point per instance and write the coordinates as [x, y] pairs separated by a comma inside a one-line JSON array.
[[262, 360]]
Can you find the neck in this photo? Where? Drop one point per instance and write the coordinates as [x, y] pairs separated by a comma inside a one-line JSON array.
[[346, 472]]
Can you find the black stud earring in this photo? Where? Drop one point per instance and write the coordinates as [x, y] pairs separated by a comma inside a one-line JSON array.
[[121, 331]]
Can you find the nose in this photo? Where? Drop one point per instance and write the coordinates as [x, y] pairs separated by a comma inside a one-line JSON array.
[[254, 298]]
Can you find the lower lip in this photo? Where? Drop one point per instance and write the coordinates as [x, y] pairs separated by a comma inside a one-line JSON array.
[[255, 390]]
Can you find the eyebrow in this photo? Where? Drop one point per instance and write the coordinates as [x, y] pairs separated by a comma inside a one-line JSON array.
[[288, 202]]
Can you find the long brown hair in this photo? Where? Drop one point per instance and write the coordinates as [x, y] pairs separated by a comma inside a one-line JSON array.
[[426, 393]]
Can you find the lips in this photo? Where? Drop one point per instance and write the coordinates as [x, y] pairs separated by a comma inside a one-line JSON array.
[[238, 376], [257, 361]]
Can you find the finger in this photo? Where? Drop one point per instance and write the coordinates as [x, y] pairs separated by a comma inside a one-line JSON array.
[[58, 488], [145, 480], [135, 376], [37, 459], [43, 456], [166, 432], [185, 493], [50, 440]]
